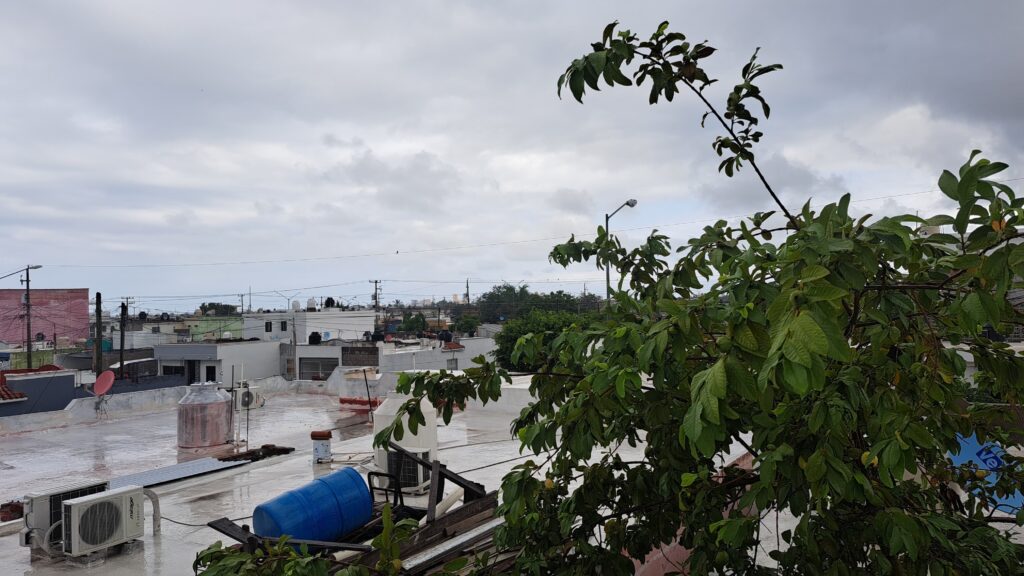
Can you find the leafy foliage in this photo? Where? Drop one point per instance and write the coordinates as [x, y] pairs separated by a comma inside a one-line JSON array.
[[831, 351], [507, 302], [467, 324], [538, 325], [280, 558], [413, 323]]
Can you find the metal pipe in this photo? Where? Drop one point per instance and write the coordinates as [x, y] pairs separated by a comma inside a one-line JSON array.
[[154, 500]]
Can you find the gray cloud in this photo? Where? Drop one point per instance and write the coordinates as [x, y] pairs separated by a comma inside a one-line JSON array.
[[258, 130]]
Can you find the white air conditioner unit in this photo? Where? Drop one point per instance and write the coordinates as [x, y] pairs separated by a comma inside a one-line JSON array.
[[44, 509], [247, 398], [103, 520]]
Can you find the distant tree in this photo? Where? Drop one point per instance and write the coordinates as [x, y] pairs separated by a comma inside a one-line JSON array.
[[467, 324], [329, 302], [503, 302], [413, 323], [590, 302], [315, 338], [218, 309]]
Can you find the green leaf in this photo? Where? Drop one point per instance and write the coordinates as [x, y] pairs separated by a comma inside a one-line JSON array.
[[797, 352], [576, 85], [744, 337], [716, 382], [687, 479], [948, 184], [815, 469], [597, 61], [813, 272], [974, 308], [456, 565], [805, 330], [824, 292]]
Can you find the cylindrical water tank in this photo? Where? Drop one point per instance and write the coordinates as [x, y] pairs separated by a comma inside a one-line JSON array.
[[325, 509], [205, 417]]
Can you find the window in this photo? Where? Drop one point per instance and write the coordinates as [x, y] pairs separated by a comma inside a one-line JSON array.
[[284, 325], [174, 370], [268, 326], [155, 329], [211, 373], [453, 363]]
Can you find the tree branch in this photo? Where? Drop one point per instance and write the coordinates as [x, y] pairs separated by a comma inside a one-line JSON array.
[[749, 158]]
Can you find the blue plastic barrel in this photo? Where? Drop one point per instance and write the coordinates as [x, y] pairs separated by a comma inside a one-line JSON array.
[[325, 509]]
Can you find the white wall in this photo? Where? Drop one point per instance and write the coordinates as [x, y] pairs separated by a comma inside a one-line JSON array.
[[143, 339], [251, 359], [331, 324], [436, 358]]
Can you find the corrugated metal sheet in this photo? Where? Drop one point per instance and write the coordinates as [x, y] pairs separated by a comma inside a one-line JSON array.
[[173, 473]]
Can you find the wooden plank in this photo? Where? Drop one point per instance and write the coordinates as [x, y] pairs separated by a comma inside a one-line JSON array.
[[450, 548], [436, 490], [454, 522]]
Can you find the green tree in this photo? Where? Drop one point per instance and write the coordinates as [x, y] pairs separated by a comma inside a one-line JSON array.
[[828, 345], [413, 323], [218, 309], [537, 324], [467, 324], [503, 302]]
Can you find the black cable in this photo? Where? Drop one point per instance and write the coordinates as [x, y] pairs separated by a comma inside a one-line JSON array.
[[172, 520], [496, 463]]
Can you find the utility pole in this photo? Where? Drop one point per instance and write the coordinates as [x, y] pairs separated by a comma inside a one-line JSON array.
[[28, 318], [376, 295], [467, 290], [241, 303], [97, 341], [250, 299], [295, 347], [124, 324]]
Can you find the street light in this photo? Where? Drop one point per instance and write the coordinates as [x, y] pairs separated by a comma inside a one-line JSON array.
[[607, 230], [28, 309]]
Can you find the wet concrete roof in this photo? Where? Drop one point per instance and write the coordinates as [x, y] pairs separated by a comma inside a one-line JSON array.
[[51, 458]]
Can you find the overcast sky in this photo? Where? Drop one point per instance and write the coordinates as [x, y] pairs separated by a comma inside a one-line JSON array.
[[422, 143]]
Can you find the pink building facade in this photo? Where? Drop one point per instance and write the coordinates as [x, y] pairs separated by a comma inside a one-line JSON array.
[[60, 312]]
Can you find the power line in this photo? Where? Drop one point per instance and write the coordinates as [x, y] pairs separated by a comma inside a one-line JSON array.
[[451, 248]]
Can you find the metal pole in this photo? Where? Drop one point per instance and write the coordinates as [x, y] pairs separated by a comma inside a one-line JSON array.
[[97, 341], [369, 402], [124, 320], [28, 318], [607, 268]]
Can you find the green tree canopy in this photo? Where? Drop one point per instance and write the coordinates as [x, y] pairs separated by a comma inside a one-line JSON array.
[[827, 343], [540, 324]]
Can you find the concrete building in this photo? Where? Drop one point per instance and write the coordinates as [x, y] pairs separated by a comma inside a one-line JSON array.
[[225, 362], [331, 324], [61, 314], [134, 340], [446, 356], [203, 328]]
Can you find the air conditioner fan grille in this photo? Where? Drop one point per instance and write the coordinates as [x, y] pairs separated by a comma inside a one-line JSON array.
[[99, 523]]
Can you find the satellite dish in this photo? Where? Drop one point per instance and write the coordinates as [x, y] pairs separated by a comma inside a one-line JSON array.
[[104, 382]]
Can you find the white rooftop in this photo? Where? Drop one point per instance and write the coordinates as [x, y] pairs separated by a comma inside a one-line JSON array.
[[34, 461]]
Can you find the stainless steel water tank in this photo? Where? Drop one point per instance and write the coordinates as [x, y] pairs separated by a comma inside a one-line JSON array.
[[205, 417]]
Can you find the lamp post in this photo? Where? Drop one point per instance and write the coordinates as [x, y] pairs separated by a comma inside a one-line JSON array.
[[28, 309], [607, 265]]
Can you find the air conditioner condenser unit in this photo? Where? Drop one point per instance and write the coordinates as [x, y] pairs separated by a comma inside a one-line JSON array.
[[44, 509], [100, 521]]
